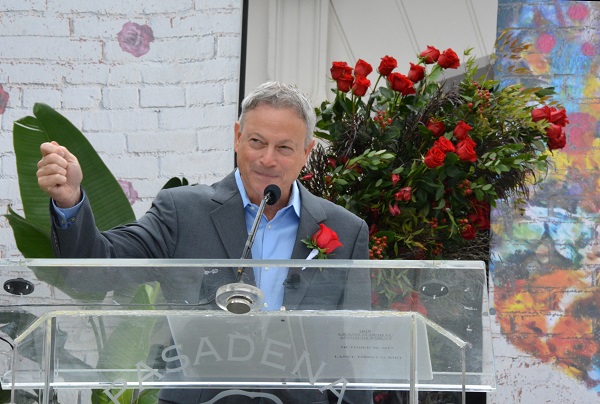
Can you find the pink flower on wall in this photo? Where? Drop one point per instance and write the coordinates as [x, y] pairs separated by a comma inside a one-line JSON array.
[[3, 100], [130, 193], [135, 39]]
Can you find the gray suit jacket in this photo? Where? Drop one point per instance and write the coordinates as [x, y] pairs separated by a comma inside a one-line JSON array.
[[208, 222]]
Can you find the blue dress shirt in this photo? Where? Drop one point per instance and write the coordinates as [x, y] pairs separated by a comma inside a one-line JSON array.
[[275, 239]]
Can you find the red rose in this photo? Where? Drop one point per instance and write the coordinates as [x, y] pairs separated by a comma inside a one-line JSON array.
[[461, 130], [553, 131], [416, 73], [468, 232], [405, 194], [537, 114], [559, 117], [400, 83], [326, 239], [465, 150], [344, 83], [558, 142], [362, 68], [448, 59], [436, 127], [430, 55], [434, 157], [386, 66], [445, 145], [338, 69], [360, 86], [307, 177], [395, 179], [556, 137]]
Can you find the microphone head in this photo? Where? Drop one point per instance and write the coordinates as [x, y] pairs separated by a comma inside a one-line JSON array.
[[273, 192]]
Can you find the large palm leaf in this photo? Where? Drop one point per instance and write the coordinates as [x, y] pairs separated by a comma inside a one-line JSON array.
[[109, 203]]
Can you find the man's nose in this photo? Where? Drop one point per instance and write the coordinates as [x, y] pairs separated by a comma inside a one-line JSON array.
[[268, 157]]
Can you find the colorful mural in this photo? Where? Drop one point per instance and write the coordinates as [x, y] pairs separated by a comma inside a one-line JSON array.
[[545, 261]]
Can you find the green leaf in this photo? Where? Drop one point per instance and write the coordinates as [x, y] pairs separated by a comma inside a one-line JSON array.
[[129, 342], [109, 203], [32, 239], [545, 92], [175, 182]]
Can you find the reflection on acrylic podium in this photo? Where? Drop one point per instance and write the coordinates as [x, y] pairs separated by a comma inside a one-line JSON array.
[[129, 328]]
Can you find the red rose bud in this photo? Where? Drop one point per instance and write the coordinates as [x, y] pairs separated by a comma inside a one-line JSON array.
[[362, 68], [307, 177], [386, 66], [326, 239], [434, 157], [538, 114], [448, 60], [436, 127], [430, 55], [559, 117], [332, 161], [394, 210], [465, 150], [399, 82], [395, 179], [416, 73], [444, 144], [338, 69], [360, 86], [344, 83], [461, 130]]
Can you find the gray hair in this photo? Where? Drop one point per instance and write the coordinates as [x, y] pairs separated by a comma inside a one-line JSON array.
[[280, 95]]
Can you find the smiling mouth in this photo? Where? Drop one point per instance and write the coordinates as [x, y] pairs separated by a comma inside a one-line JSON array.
[[265, 175]]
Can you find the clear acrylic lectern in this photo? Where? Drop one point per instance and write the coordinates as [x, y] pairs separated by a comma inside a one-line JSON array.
[[136, 329]]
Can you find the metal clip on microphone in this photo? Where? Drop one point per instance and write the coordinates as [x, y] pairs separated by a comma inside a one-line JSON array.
[[239, 297]]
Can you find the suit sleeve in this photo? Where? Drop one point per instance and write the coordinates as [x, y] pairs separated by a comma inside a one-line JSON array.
[[153, 236], [357, 293]]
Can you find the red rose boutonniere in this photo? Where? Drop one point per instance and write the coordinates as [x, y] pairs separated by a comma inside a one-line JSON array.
[[322, 243]]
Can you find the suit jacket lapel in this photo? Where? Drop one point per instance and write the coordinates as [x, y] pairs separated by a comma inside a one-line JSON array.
[[230, 222], [311, 214]]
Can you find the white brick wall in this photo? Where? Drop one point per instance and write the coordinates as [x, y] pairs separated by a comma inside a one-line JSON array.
[[167, 113]]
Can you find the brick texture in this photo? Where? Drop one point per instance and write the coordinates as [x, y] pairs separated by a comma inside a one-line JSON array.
[[167, 112]]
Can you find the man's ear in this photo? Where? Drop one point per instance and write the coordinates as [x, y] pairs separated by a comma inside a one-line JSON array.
[[237, 133], [308, 149]]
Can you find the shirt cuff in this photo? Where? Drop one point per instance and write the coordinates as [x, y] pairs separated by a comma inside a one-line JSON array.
[[65, 217]]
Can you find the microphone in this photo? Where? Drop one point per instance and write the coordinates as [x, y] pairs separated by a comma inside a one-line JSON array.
[[240, 298]]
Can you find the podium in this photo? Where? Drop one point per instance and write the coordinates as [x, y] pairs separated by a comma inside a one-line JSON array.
[[75, 330]]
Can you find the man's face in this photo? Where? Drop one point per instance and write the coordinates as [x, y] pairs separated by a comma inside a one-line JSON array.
[[270, 150]]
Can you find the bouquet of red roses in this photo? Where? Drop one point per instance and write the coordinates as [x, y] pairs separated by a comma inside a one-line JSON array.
[[422, 159]]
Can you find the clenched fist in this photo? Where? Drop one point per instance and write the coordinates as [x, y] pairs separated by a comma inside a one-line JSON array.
[[59, 175]]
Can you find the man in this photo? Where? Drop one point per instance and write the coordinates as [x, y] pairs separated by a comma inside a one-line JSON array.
[[273, 139]]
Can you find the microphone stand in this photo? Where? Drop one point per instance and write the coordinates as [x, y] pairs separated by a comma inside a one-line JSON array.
[[239, 297]]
